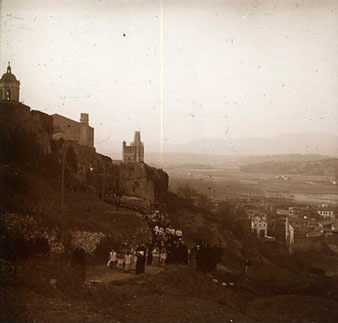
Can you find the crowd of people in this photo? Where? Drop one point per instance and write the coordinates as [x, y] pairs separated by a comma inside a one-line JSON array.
[[128, 260], [165, 247]]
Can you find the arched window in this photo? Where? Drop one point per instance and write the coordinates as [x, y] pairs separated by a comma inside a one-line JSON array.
[[8, 94]]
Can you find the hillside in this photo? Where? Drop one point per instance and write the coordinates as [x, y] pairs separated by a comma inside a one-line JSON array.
[[280, 288], [89, 209], [324, 167], [38, 234]]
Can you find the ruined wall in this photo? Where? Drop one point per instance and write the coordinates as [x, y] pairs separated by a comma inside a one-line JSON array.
[[140, 180], [143, 181]]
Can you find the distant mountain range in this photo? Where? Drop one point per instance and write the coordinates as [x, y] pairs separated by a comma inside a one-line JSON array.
[[302, 143]]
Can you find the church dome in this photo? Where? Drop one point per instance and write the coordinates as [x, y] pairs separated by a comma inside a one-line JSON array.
[[8, 77], [9, 86]]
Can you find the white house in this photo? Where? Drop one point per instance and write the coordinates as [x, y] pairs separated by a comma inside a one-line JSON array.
[[326, 212], [259, 225]]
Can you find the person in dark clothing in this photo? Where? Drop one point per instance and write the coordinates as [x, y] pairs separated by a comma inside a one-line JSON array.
[[206, 258], [176, 253], [141, 260], [169, 260], [199, 255], [212, 258], [150, 247], [219, 250], [192, 256], [247, 269], [78, 264], [185, 254]]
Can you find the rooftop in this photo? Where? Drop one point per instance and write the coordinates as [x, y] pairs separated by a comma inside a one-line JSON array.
[[8, 77]]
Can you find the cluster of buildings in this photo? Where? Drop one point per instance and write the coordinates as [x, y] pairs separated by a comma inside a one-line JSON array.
[[79, 132], [294, 225]]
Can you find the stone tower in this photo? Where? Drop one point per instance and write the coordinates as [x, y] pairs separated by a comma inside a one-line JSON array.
[[85, 134], [139, 149], [9, 86], [134, 153]]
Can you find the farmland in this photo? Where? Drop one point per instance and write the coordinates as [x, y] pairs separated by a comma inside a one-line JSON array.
[[221, 183]]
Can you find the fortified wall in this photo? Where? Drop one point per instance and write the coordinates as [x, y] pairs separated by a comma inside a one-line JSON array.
[[27, 136], [77, 132]]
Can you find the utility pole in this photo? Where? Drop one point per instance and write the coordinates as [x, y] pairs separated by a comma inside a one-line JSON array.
[[61, 138], [63, 174], [104, 182]]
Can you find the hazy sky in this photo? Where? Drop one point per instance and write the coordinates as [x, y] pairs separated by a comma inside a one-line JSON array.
[[244, 68]]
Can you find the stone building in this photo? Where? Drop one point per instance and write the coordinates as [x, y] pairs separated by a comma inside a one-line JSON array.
[[134, 153], [78, 132], [9, 86]]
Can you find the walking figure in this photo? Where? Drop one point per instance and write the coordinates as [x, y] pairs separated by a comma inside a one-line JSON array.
[[247, 270]]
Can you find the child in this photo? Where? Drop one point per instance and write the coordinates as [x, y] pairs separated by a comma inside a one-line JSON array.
[[163, 256], [112, 259], [120, 261], [127, 261], [134, 258], [156, 256]]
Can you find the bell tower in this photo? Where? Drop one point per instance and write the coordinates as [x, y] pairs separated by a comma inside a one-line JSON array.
[[9, 86]]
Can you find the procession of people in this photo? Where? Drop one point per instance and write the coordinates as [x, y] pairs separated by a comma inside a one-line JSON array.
[[165, 247]]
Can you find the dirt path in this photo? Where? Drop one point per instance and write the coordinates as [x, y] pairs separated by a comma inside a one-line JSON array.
[[103, 274]]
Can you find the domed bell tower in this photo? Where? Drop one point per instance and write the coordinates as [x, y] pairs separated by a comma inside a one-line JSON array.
[[9, 86]]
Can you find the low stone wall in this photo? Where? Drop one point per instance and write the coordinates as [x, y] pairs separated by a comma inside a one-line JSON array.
[[86, 240], [18, 226]]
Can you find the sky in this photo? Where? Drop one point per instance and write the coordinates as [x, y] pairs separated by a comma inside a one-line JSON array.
[[177, 70]]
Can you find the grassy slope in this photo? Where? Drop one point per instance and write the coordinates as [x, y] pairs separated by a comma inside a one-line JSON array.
[[27, 192]]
